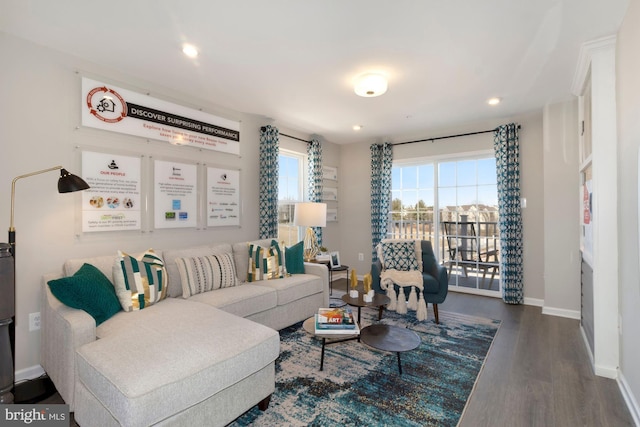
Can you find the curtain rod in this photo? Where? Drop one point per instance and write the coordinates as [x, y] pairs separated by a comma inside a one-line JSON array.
[[288, 136], [294, 137], [449, 136]]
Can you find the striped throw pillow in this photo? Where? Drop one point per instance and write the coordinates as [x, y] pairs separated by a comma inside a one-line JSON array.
[[139, 281], [207, 273], [265, 263]]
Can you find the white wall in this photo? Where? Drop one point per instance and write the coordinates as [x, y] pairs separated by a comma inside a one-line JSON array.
[[628, 109], [561, 210], [355, 216]]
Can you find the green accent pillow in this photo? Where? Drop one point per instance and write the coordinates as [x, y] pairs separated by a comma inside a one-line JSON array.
[[294, 258], [89, 290]]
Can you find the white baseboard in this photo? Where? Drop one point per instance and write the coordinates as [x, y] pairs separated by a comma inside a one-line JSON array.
[[599, 370], [629, 398], [536, 302], [29, 373], [606, 372], [561, 312]]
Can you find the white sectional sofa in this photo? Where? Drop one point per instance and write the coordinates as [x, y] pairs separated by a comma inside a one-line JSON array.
[[203, 360]]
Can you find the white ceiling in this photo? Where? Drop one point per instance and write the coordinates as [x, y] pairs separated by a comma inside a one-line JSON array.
[[295, 61]]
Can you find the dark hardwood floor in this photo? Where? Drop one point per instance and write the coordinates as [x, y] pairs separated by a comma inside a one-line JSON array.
[[537, 372]]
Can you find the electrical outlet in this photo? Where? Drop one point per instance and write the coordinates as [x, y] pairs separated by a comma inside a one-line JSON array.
[[34, 321], [360, 257]]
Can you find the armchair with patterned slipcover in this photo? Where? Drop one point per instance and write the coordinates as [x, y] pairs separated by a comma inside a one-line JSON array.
[[435, 281]]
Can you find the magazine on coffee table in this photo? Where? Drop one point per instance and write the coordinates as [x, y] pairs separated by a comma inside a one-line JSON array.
[[319, 330], [336, 318]]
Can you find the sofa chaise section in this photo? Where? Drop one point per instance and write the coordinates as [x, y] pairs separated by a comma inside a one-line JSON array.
[[172, 359]]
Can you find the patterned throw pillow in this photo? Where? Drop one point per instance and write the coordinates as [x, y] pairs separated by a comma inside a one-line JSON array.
[[139, 282], [265, 263], [399, 256], [203, 274]]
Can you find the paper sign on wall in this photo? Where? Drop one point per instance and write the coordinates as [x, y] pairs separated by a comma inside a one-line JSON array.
[[113, 201], [175, 194], [223, 197]]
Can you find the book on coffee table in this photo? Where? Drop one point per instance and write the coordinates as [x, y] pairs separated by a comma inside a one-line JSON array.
[[336, 318], [323, 330]]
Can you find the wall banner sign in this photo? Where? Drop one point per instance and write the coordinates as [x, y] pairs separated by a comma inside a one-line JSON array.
[[113, 202], [115, 109]]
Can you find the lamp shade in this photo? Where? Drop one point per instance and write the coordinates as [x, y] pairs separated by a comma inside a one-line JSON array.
[[68, 182], [310, 214]]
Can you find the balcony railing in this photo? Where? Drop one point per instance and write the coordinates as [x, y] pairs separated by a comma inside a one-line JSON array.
[[471, 250]]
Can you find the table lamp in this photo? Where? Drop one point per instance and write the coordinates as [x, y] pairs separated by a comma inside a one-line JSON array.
[[34, 390], [310, 214]]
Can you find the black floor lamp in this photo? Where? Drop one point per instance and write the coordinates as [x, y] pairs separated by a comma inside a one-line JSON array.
[[34, 390]]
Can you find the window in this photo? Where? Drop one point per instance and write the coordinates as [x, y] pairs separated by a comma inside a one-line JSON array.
[[453, 203], [412, 202], [290, 192]]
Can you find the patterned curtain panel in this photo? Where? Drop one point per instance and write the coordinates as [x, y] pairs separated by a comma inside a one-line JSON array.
[[507, 151], [381, 163], [314, 158], [268, 182]]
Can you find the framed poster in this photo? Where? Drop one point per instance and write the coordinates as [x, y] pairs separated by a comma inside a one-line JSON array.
[[113, 202], [332, 215], [587, 219], [329, 172], [175, 194], [330, 193], [223, 197]]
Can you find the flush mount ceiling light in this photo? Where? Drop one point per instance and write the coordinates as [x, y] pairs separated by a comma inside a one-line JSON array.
[[493, 101], [370, 85], [357, 127], [190, 50]]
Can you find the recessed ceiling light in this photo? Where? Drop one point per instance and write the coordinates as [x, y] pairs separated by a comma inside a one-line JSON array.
[[190, 50], [370, 85], [493, 101], [357, 127]]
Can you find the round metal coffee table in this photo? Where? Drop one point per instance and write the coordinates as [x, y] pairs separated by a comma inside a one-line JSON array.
[[379, 300], [390, 338], [309, 325]]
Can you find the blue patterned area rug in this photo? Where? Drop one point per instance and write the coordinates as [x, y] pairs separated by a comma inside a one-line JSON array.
[[360, 386]]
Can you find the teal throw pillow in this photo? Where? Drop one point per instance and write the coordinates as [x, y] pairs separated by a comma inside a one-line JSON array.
[[293, 258], [89, 290]]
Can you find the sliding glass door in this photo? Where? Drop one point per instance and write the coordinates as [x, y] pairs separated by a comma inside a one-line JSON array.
[[453, 203]]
